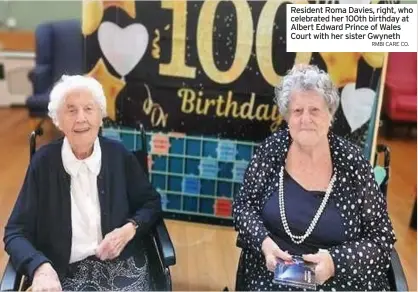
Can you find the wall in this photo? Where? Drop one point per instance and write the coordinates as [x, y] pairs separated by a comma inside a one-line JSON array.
[[30, 13]]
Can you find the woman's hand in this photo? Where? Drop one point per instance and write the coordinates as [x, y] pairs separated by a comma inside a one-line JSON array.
[[324, 265], [115, 241], [46, 279], [272, 252]]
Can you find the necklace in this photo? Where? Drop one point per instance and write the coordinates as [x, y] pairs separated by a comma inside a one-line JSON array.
[[298, 239]]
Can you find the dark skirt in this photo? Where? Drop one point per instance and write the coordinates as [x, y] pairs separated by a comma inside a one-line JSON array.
[[92, 274]]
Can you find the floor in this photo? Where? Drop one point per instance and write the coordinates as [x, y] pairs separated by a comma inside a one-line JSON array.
[[206, 255]]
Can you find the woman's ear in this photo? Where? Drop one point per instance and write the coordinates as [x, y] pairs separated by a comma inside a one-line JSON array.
[[331, 121]]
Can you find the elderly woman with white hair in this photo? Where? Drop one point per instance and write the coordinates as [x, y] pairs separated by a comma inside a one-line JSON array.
[[311, 194], [84, 205]]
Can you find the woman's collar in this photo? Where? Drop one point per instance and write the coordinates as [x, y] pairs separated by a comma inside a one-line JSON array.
[[342, 151], [72, 164]]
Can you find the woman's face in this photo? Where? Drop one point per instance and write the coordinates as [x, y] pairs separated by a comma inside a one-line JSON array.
[[80, 118], [309, 118]]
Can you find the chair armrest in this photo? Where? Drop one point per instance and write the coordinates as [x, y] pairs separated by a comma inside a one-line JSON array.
[[396, 274], [163, 244], [41, 78], [31, 74], [11, 279], [413, 220]]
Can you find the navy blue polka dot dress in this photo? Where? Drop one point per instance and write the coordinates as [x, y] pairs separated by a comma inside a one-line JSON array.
[[329, 230], [355, 227]]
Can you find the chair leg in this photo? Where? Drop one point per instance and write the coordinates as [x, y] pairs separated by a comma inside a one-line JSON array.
[[411, 130], [388, 128], [413, 221], [24, 285]]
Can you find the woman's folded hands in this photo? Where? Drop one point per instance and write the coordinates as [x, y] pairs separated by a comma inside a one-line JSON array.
[[324, 268], [272, 252], [114, 242]]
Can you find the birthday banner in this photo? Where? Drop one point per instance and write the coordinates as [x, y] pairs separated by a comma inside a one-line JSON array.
[[209, 67]]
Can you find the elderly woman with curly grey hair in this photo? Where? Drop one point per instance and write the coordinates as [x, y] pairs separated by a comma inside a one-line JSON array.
[[84, 205], [312, 194]]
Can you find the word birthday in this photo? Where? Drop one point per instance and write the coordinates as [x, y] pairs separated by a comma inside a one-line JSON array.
[[195, 103], [366, 27]]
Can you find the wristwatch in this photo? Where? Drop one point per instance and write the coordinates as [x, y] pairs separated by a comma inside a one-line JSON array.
[[134, 223]]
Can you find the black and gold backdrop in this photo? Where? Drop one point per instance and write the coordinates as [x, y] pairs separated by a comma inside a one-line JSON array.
[[209, 67]]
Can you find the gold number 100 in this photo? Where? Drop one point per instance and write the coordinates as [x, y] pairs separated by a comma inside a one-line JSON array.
[[264, 34]]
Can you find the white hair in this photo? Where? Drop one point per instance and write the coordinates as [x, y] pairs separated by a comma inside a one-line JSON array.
[[68, 83], [306, 77]]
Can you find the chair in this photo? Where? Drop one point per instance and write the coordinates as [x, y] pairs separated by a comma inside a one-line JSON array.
[[59, 50], [159, 246], [400, 97], [396, 274]]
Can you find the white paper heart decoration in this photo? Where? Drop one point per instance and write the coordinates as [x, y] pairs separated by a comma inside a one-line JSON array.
[[123, 47], [357, 105]]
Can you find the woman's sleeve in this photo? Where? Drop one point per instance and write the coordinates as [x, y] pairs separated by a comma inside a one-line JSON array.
[[247, 206], [20, 230], [361, 259], [144, 200]]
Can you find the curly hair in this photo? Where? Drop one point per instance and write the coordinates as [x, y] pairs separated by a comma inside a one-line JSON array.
[[306, 77]]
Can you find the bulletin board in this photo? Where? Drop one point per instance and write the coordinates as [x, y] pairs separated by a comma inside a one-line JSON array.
[[202, 73]]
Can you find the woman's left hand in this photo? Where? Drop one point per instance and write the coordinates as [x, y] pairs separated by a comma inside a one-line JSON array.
[[324, 265], [114, 242]]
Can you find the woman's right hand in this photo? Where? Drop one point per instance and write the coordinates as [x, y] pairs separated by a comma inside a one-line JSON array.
[[46, 279], [272, 252]]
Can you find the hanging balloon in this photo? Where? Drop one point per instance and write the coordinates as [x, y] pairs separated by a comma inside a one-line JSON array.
[[111, 86], [357, 105], [123, 47], [342, 67], [92, 14], [374, 59]]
